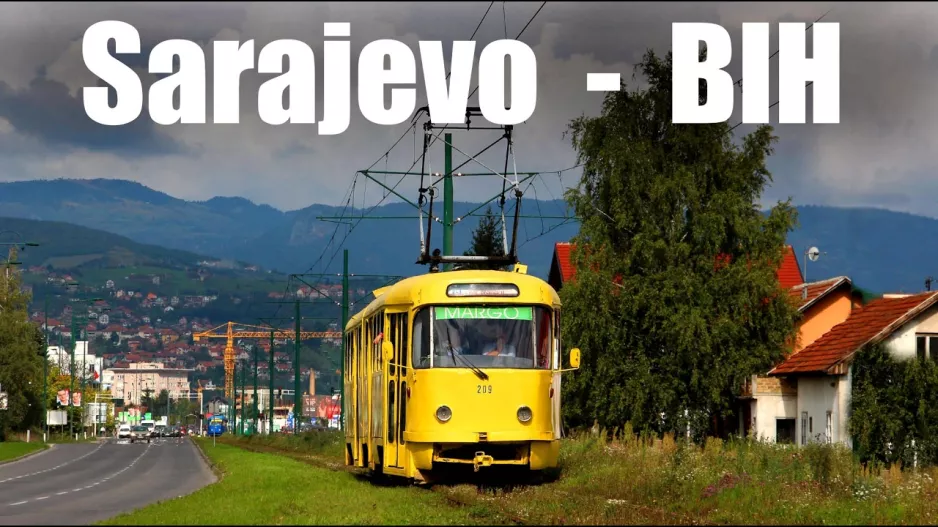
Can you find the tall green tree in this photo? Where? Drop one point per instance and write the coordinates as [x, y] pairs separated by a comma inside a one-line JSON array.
[[21, 354], [486, 241], [676, 299]]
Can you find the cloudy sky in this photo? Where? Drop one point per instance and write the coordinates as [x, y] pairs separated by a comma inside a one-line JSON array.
[[879, 155]]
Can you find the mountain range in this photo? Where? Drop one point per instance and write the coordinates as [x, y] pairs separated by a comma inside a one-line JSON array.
[[862, 243]]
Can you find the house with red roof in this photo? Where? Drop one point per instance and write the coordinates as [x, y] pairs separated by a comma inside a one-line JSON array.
[[563, 271], [906, 324], [769, 404]]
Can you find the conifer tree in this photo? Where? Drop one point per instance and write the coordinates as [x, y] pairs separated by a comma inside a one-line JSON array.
[[486, 241]]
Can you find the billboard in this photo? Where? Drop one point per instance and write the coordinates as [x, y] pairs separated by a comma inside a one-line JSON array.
[[56, 418]]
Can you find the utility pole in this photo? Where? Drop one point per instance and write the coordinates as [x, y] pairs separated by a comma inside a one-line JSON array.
[[233, 409], [243, 379], [297, 394], [344, 343], [270, 395], [45, 372], [254, 403], [71, 381], [448, 199]]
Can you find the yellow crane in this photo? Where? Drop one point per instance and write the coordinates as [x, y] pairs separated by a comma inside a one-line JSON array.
[[248, 331]]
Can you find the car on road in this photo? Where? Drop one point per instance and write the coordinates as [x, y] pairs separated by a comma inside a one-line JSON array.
[[139, 433], [160, 431], [123, 432]]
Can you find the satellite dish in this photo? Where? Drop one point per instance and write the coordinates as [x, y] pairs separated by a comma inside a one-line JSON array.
[[813, 254]]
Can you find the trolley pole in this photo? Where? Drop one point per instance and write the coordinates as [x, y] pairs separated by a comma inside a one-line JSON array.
[[297, 395], [254, 403], [270, 394], [344, 343], [448, 199]]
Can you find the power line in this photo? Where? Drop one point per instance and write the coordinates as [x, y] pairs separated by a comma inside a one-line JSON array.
[[739, 81]]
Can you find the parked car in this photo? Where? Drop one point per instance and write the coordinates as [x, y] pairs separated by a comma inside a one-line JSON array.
[[140, 433], [123, 432]]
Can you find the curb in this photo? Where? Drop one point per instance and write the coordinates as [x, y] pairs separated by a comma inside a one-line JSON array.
[[215, 470], [29, 455]]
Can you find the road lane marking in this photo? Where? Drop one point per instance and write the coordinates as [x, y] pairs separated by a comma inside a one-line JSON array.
[[132, 463], [55, 467]]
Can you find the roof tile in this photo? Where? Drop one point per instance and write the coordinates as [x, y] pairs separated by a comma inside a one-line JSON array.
[[861, 327]]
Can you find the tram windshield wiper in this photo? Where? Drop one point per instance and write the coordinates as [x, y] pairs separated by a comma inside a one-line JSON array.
[[472, 367]]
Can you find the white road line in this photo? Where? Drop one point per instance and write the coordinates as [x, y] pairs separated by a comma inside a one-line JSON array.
[[132, 463], [55, 467]]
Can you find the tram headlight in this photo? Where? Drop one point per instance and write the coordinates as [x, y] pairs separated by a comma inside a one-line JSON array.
[[524, 414], [443, 413]]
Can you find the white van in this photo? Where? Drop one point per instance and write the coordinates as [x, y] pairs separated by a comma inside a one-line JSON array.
[[123, 432], [150, 424]]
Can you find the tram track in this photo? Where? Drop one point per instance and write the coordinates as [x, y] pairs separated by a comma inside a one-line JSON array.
[[336, 466]]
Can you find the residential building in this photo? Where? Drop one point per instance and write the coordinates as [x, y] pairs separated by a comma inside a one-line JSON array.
[[132, 383], [769, 404], [907, 325]]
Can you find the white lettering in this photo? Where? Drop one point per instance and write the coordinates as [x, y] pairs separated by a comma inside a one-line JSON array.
[[756, 76], [447, 105], [189, 80], [112, 71], [231, 59], [687, 70], [794, 70], [337, 68], [492, 82], [300, 79], [372, 78]]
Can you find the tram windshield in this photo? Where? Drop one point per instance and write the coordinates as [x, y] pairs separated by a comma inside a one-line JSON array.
[[483, 336]]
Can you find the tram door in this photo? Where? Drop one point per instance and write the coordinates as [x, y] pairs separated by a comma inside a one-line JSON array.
[[395, 394]]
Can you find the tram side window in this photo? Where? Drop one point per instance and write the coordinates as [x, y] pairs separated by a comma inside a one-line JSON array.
[[422, 339]]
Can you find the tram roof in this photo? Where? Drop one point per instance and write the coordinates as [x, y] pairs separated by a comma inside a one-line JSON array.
[[431, 288]]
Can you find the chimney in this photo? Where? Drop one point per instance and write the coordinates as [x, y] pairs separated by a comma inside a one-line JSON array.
[[312, 382]]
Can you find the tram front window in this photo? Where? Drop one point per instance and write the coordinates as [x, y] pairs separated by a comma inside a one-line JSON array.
[[464, 336]]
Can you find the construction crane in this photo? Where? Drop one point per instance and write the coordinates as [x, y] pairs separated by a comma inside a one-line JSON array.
[[252, 332]]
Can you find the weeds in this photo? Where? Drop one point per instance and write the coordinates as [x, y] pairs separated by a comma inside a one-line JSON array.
[[635, 479]]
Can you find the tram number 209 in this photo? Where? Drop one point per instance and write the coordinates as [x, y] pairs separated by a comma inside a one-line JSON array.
[[484, 388]]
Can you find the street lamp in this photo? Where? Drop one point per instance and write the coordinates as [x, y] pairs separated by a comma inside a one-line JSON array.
[[812, 254]]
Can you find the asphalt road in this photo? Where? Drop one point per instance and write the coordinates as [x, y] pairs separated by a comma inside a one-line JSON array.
[[79, 484]]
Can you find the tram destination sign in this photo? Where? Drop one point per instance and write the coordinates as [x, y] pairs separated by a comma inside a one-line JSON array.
[[497, 313]]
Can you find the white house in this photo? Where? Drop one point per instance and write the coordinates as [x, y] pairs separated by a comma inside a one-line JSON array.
[[906, 324], [770, 404]]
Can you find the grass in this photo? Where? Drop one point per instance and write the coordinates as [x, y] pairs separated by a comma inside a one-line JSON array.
[[10, 450], [266, 489], [662, 481]]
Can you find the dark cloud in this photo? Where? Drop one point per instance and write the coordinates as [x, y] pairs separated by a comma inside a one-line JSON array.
[[48, 112]]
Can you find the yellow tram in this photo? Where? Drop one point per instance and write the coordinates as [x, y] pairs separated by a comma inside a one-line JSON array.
[[459, 367]]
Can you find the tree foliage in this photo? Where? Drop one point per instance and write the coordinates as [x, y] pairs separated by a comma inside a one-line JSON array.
[[21, 355], [665, 321], [487, 240], [894, 403]]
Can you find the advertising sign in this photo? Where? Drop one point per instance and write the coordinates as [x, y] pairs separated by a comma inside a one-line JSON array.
[[56, 418], [76, 399]]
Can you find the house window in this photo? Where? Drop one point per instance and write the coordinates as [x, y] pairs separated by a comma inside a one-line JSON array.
[[829, 432], [926, 345], [785, 431]]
